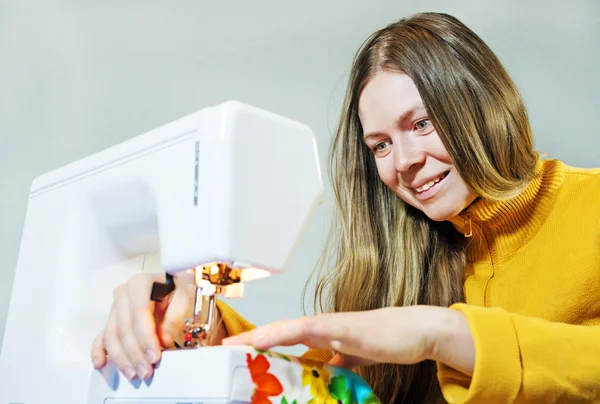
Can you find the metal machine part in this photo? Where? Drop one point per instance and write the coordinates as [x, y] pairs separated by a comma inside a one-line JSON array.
[[211, 280]]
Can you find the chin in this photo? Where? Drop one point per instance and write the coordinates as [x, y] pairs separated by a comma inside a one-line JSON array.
[[440, 214]]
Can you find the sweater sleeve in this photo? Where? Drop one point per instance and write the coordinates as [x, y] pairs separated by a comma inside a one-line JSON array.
[[236, 324], [525, 359]]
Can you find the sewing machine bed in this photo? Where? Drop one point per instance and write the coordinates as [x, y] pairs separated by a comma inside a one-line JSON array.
[[232, 375]]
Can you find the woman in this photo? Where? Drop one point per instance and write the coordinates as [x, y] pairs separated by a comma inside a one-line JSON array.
[[462, 264]]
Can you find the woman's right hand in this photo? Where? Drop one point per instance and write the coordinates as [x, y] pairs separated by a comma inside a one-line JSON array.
[[138, 328]]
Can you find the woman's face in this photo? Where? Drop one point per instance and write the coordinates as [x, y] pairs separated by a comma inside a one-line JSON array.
[[410, 156]]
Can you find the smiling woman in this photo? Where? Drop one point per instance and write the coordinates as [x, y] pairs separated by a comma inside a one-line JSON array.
[[428, 69], [441, 200], [410, 156], [460, 266]]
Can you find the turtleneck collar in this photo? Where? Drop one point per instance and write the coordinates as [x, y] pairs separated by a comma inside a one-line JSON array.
[[511, 223]]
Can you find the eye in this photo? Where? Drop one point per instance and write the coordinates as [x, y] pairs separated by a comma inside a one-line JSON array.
[[423, 125], [380, 148]]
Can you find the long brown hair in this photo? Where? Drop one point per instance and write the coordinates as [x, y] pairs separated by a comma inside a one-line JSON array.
[[382, 252]]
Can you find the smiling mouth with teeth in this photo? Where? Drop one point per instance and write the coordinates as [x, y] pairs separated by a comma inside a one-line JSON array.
[[430, 184]]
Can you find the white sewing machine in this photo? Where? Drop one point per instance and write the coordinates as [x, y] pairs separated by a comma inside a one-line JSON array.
[[224, 194]]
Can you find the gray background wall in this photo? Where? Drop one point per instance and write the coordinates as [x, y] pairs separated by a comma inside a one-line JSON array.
[[79, 76]]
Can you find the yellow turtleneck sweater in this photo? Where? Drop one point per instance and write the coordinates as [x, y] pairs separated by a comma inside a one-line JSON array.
[[532, 289]]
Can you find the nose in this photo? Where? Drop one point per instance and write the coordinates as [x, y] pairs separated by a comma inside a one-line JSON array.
[[407, 155]]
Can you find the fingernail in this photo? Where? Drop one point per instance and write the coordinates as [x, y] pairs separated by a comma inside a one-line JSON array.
[[129, 373], [97, 362], [151, 356], [141, 372]]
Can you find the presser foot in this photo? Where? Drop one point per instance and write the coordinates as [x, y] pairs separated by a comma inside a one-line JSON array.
[[199, 330], [211, 280], [195, 335]]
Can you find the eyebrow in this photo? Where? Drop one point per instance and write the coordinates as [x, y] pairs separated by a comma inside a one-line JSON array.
[[402, 117]]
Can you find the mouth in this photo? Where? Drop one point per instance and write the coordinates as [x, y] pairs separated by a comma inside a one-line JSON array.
[[433, 184]]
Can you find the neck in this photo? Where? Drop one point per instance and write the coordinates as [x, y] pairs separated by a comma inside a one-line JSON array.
[[517, 218]]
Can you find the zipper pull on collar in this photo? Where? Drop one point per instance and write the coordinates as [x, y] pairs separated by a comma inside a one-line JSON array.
[[468, 225]]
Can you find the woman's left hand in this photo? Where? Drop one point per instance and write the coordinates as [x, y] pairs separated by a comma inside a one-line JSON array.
[[402, 335]]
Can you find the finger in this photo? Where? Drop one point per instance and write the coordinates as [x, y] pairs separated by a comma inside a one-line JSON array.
[[141, 312], [283, 333], [114, 349], [127, 337], [337, 360], [98, 353], [342, 332], [325, 331], [349, 361]]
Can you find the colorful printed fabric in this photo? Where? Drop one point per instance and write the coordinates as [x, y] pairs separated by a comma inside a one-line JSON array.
[[282, 379]]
